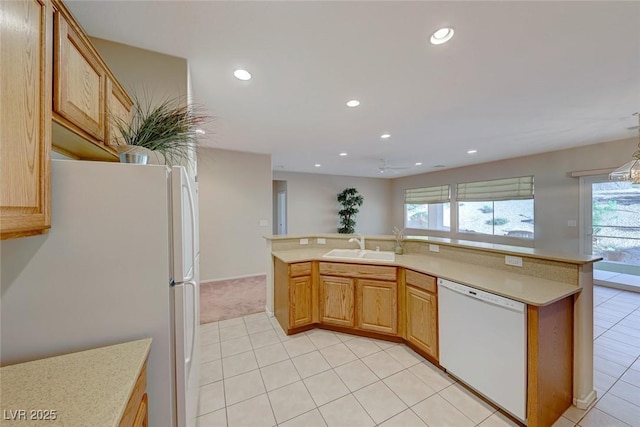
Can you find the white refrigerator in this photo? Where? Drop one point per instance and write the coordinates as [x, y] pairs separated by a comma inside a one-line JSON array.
[[121, 262]]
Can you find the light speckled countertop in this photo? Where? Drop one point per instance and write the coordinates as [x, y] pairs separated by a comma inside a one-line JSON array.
[[88, 388], [528, 289]]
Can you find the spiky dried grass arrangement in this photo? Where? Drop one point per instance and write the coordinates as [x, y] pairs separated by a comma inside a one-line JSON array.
[[169, 128]]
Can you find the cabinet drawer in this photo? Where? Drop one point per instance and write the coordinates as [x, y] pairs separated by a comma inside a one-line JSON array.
[[131, 411], [358, 270], [300, 269], [420, 280]]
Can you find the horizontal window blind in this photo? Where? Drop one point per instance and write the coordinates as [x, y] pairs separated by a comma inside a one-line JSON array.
[[497, 189], [435, 194]]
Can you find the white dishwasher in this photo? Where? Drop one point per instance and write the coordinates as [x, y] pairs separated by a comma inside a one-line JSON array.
[[483, 342]]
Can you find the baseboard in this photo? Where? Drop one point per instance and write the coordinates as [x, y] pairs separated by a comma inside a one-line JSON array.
[[586, 402], [269, 312], [616, 285], [232, 278]]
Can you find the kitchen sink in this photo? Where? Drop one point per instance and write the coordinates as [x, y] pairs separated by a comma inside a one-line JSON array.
[[358, 254], [379, 255]]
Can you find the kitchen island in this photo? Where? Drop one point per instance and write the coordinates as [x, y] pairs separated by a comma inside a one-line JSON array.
[[103, 386], [397, 300]]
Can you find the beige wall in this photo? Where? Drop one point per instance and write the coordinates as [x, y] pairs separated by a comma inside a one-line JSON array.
[[312, 205], [144, 72], [235, 195], [557, 194]]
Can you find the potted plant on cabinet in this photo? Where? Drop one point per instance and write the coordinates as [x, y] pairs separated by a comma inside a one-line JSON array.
[[170, 129]]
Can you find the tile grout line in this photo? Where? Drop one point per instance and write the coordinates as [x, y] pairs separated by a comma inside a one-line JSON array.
[[620, 376]]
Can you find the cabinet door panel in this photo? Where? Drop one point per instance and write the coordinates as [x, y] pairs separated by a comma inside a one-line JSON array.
[[336, 300], [377, 306], [25, 113], [300, 301], [422, 327], [118, 109], [79, 81]]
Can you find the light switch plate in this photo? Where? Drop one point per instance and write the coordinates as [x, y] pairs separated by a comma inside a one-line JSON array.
[[321, 241], [572, 223], [434, 248], [264, 223], [304, 241], [516, 261]]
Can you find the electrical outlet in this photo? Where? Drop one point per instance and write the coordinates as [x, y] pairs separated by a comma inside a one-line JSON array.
[[304, 241], [321, 241], [516, 261], [434, 248]]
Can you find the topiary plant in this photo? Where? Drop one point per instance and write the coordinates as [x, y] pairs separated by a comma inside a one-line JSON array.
[[350, 200]]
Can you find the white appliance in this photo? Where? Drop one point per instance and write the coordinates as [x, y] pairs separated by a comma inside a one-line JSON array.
[[121, 262], [483, 342]]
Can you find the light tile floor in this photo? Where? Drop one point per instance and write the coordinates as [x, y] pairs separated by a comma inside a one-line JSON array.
[[253, 375]]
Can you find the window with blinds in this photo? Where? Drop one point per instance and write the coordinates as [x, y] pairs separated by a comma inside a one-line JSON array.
[[428, 208], [501, 207], [518, 188]]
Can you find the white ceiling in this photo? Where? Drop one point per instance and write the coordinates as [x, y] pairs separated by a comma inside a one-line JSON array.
[[518, 78]]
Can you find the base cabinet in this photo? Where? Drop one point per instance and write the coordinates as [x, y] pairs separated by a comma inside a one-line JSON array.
[[421, 312], [377, 306], [136, 412], [422, 317], [300, 301], [336, 301]]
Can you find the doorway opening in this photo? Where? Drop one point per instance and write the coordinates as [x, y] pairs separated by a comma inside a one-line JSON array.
[[612, 230], [280, 207]]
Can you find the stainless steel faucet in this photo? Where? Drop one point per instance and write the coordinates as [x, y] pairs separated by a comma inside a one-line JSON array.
[[359, 241]]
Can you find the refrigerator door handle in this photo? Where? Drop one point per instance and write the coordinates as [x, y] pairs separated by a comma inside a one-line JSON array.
[[193, 335], [193, 232]]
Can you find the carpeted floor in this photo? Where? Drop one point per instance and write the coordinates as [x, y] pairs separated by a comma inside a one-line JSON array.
[[226, 299]]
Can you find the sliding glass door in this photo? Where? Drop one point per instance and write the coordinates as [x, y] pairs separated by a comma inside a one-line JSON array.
[[612, 224]]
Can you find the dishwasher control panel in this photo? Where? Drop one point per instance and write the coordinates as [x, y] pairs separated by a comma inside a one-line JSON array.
[[483, 295]]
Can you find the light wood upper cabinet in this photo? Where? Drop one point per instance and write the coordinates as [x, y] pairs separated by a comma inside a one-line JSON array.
[[118, 107], [86, 94], [336, 301], [422, 320], [79, 80], [26, 47], [377, 306]]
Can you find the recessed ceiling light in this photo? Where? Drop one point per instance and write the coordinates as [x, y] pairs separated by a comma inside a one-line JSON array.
[[242, 74], [418, 163], [200, 131], [343, 154], [472, 151], [385, 136], [353, 103], [443, 35], [317, 165], [439, 166]]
